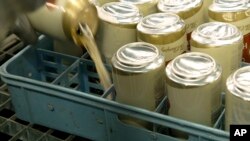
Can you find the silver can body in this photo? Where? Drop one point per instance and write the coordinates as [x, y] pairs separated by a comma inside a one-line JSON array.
[[167, 31], [117, 27], [238, 97], [222, 41], [138, 76], [193, 88]]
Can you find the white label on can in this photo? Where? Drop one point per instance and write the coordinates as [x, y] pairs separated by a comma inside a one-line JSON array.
[[229, 57], [174, 49], [194, 21], [111, 37]]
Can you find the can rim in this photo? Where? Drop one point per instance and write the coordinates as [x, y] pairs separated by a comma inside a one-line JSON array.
[[236, 81], [215, 39], [184, 9], [119, 13], [180, 71], [123, 57], [228, 11]]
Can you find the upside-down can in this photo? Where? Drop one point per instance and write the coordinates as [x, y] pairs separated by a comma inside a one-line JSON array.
[[146, 7], [117, 27], [166, 31], [222, 41], [193, 88], [236, 12], [191, 11], [138, 77], [238, 98]]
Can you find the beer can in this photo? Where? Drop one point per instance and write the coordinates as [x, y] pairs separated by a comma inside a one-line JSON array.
[[191, 11], [138, 77], [166, 31], [222, 41], [146, 7], [193, 88], [117, 27], [238, 98], [236, 12]]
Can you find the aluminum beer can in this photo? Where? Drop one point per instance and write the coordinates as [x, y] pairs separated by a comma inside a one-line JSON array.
[[193, 88], [236, 12], [138, 77], [222, 41], [191, 11], [238, 97], [146, 7], [117, 27], [166, 31]]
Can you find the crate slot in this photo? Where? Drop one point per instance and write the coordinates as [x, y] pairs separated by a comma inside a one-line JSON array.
[[5, 136], [161, 106], [6, 113], [21, 121], [219, 122], [60, 135], [11, 128], [40, 128], [94, 80], [95, 91], [2, 120], [49, 138], [4, 100], [68, 76]]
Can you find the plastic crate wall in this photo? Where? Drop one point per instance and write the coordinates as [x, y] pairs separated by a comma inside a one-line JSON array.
[[11, 127], [63, 92]]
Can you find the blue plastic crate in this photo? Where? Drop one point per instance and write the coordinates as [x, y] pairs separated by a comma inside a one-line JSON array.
[[62, 92]]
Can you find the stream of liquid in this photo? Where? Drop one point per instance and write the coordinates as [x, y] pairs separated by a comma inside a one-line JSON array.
[[84, 38]]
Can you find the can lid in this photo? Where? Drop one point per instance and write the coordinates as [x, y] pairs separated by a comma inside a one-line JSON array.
[[215, 34], [137, 57], [161, 23], [239, 83], [120, 13], [229, 10], [184, 8], [229, 5], [193, 69], [161, 28], [137, 1]]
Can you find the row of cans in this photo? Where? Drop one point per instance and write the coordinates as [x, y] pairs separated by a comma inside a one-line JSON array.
[[192, 83], [179, 54], [135, 20]]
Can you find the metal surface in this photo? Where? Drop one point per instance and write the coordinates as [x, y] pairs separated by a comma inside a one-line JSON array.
[[69, 94], [184, 8], [229, 11], [138, 57], [161, 28], [215, 34], [239, 83], [193, 69], [120, 13]]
